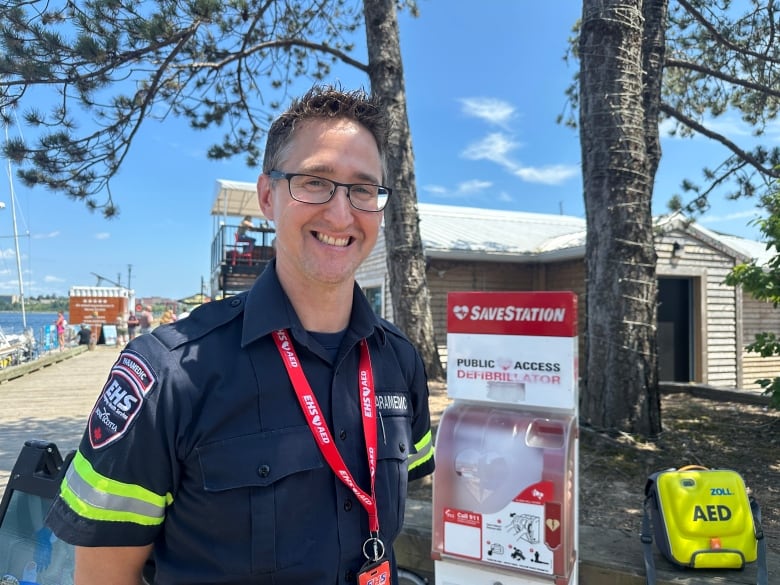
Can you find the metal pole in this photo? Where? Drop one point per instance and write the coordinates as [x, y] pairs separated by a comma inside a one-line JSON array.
[[16, 239]]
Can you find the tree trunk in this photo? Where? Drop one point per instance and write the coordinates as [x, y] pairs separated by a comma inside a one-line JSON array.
[[405, 257], [621, 56]]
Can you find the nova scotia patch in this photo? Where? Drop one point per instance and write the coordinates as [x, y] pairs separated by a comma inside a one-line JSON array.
[[130, 379]]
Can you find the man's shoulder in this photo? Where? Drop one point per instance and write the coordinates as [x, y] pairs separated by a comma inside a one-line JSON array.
[[201, 321], [393, 332]]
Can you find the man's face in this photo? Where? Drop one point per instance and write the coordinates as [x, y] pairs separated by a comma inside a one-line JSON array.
[[324, 243]]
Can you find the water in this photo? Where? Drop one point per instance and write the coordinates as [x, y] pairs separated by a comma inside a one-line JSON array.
[[11, 322]]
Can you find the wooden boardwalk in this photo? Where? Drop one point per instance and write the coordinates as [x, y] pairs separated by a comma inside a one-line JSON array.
[[51, 403]]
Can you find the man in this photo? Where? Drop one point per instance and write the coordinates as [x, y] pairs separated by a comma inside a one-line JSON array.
[[245, 226], [145, 320], [84, 335], [268, 438], [132, 325]]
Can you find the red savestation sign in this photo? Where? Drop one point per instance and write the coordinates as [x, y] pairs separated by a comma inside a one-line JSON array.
[[552, 314]]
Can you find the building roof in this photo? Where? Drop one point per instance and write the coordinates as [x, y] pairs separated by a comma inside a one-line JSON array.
[[467, 233], [470, 232], [236, 199], [462, 233]]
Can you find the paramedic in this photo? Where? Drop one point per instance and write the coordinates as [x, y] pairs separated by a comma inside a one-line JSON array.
[[269, 437]]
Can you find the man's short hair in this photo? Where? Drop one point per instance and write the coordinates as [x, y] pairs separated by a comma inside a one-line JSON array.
[[326, 101]]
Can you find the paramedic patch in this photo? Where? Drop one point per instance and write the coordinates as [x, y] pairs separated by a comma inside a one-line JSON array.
[[393, 404], [129, 381]]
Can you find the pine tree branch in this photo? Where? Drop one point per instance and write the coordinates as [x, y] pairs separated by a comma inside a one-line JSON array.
[[719, 74], [703, 130], [278, 44], [719, 38]]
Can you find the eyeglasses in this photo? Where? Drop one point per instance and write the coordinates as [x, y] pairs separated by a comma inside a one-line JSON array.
[[316, 190]]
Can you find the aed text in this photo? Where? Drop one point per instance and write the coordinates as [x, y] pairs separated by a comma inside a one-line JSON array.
[[711, 513]]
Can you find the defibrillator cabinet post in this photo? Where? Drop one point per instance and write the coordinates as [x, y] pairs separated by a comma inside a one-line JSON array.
[[506, 480]]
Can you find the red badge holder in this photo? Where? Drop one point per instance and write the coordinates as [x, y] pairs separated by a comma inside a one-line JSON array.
[[375, 573]]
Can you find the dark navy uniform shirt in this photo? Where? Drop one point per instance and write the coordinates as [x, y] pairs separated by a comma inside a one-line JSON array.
[[198, 445]]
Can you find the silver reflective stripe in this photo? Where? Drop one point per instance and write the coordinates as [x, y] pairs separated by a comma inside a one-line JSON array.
[[105, 501], [417, 458]]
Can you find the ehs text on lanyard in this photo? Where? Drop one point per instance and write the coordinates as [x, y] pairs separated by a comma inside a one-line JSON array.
[[319, 428]]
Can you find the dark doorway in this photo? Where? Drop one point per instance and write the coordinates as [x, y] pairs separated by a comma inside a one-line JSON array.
[[675, 326]]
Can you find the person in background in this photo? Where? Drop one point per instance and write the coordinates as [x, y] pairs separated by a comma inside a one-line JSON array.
[[167, 317], [146, 320], [269, 436], [60, 324], [132, 325], [84, 335], [245, 226], [121, 330]]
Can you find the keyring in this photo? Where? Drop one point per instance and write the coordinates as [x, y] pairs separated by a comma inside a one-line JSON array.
[[378, 545]]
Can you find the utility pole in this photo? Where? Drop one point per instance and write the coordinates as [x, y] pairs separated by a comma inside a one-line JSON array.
[[129, 272]]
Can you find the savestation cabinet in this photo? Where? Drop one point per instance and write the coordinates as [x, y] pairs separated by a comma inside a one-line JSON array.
[[505, 485]]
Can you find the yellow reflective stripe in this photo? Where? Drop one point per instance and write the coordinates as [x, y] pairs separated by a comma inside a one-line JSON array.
[[92, 495], [424, 448]]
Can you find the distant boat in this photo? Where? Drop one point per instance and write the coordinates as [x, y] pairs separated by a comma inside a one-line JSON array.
[[16, 348]]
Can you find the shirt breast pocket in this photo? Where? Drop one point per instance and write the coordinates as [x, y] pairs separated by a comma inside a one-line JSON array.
[[262, 479], [394, 438]]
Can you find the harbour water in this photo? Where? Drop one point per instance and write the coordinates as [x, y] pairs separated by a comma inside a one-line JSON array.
[[11, 321]]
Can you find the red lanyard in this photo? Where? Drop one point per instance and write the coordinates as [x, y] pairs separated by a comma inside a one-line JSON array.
[[319, 428]]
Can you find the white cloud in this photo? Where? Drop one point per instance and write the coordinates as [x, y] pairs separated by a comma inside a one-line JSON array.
[[49, 278], [435, 189], [50, 235], [493, 147], [493, 111], [547, 175], [7, 253], [707, 218], [464, 189], [102, 236], [473, 186], [497, 147]]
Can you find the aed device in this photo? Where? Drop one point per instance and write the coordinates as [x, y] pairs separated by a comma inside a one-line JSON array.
[[505, 486]]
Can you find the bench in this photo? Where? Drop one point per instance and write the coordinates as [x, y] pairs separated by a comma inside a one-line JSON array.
[[607, 556]]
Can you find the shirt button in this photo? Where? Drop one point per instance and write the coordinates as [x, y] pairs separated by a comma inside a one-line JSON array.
[[349, 576], [347, 504], [264, 470], [342, 434], [402, 447]]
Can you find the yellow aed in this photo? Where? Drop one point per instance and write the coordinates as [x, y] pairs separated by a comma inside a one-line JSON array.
[[702, 518]]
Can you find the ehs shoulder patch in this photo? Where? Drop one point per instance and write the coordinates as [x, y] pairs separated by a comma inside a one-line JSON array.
[[130, 380]]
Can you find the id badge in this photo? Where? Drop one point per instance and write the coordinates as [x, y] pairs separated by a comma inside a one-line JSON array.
[[375, 573]]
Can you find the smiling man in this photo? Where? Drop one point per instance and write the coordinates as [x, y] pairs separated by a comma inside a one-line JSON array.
[[267, 438]]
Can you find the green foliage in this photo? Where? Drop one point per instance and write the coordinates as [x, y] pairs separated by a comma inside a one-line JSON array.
[[46, 304], [107, 66], [763, 283]]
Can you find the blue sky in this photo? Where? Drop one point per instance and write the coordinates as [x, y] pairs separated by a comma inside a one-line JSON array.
[[485, 83]]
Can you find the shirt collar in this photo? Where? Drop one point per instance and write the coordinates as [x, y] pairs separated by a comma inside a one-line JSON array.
[[268, 309]]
